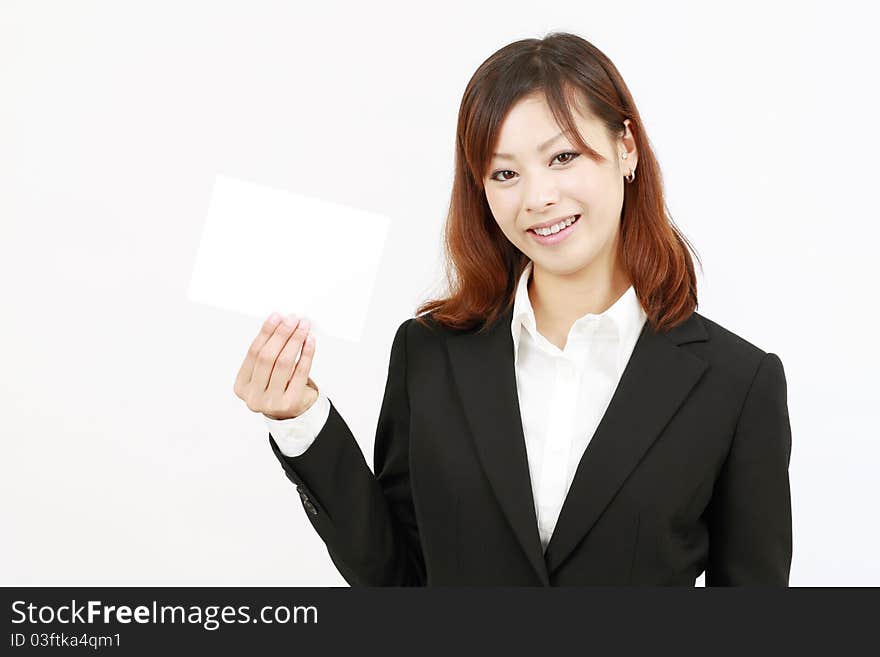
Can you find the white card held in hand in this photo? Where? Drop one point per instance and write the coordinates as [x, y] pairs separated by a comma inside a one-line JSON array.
[[266, 249]]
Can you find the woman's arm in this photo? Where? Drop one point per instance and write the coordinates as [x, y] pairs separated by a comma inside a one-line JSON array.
[[367, 522], [750, 512]]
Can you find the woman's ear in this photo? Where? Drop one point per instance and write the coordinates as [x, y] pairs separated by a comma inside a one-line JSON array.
[[627, 144]]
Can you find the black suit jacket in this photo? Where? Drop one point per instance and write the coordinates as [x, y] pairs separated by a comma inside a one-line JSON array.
[[687, 470]]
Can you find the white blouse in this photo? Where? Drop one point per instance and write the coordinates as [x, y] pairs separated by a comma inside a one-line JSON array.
[[563, 394]]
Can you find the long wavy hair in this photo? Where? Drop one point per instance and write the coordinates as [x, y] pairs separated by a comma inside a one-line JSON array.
[[482, 266]]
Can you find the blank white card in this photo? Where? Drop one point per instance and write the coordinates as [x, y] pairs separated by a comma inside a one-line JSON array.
[[266, 249]]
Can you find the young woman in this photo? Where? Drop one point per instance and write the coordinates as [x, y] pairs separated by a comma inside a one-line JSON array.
[[563, 416]]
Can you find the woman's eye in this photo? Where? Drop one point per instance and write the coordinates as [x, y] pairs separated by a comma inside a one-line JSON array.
[[573, 154], [566, 161]]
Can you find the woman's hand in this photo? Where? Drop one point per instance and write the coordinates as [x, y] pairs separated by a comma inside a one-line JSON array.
[[271, 381]]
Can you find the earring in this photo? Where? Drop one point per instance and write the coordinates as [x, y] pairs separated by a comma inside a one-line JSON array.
[[632, 172]]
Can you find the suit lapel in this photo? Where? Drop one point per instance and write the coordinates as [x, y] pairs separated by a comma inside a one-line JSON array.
[[482, 365], [656, 381]]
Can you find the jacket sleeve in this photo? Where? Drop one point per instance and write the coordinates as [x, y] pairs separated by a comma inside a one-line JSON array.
[[367, 521], [749, 515]]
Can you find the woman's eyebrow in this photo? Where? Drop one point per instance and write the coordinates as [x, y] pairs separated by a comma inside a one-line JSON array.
[[542, 147]]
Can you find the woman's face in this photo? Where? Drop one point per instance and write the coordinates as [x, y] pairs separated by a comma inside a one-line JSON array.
[[534, 186]]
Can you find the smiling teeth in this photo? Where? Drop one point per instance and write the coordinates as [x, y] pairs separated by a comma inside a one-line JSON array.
[[555, 228]]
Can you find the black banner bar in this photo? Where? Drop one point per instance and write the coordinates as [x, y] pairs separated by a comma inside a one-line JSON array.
[[145, 620]]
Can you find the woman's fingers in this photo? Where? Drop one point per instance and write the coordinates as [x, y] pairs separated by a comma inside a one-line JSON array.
[[301, 374], [286, 361], [246, 371], [268, 353], [271, 380]]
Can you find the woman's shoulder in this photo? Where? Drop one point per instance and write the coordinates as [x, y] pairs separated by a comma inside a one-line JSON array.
[[727, 340], [426, 324], [730, 355], [414, 330], [424, 327]]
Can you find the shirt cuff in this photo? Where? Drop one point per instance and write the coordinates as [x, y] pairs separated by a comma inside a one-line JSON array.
[[296, 434]]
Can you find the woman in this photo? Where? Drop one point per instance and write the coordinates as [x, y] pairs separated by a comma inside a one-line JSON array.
[[564, 416]]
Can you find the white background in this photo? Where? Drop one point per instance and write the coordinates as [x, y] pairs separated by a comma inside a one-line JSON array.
[[127, 460]]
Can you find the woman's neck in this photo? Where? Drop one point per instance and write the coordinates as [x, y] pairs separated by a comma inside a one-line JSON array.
[[559, 301]]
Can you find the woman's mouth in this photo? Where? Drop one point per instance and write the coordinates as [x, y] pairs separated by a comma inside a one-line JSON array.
[[554, 238]]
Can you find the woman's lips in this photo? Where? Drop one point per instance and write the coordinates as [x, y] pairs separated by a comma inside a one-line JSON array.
[[554, 238]]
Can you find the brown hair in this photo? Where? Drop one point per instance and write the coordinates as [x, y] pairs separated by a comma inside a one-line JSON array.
[[482, 265]]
